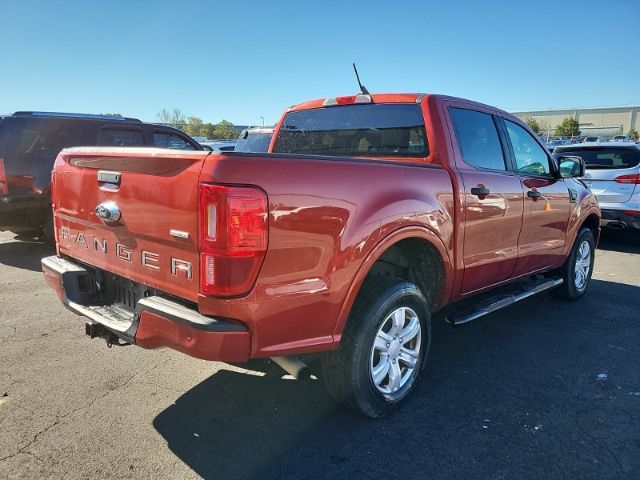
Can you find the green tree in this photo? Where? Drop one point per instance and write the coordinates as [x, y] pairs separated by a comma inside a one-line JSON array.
[[174, 118], [208, 130], [568, 128], [224, 130], [533, 125], [634, 133], [194, 127]]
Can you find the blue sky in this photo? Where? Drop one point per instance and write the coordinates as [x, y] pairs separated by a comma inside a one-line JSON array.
[[243, 60]]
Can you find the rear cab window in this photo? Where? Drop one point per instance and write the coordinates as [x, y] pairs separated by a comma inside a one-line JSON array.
[[367, 130], [606, 158]]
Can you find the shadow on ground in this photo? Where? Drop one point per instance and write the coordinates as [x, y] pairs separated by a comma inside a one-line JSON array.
[[623, 241], [24, 254], [545, 389]]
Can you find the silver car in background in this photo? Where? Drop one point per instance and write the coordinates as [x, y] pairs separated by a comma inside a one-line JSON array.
[[254, 139], [613, 175]]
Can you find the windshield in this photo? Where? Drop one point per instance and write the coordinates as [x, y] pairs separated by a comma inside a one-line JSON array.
[[607, 158], [370, 130]]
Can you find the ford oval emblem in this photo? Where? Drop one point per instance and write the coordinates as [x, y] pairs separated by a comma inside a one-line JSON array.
[[108, 212]]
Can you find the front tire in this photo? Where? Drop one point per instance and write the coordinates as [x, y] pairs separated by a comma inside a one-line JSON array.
[[382, 350], [577, 270]]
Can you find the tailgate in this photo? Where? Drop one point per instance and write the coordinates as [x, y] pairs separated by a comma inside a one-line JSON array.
[[155, 193]]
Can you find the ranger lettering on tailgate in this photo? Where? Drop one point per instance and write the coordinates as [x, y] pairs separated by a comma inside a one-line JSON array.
[[150, 260]]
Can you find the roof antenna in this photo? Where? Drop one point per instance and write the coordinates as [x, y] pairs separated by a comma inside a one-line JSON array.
[[363, 89]]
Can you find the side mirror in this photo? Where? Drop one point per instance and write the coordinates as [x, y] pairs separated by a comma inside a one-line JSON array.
[[571, 166], [207, 148]]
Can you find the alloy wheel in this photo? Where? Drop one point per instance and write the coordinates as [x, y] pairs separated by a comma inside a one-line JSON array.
[[396, 351]]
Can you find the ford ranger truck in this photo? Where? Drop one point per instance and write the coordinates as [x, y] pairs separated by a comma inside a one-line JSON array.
[[368, 214]]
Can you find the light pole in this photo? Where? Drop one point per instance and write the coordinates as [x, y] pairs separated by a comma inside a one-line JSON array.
[[262, 120]]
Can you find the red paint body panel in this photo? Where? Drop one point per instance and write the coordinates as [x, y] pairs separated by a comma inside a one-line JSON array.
[[544, 225], [158, 193], [320, 232], [495, 219], [329, 220], [155, 331]]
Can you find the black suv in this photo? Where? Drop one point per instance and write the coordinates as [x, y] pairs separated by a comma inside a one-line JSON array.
[[30, 142]]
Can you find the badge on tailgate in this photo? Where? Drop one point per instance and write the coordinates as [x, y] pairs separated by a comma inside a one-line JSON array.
[[108, 212]]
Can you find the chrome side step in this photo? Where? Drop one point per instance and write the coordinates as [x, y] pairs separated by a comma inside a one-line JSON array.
[[498, 302]]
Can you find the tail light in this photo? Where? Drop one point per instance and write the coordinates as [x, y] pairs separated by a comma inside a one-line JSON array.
[[4, 186], [232, 238], [634, 179]]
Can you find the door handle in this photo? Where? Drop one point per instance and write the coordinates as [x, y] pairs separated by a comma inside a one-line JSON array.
[[480, 191], [534, 194]]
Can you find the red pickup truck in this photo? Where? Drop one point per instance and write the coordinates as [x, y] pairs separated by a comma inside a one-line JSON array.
[[368, 214]]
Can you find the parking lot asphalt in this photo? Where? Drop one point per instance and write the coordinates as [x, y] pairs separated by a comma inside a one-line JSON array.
[[544, 389]]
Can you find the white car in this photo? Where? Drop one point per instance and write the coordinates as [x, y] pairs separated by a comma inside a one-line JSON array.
[[623, 138], [593, 139], [220, 145], [613, 174]]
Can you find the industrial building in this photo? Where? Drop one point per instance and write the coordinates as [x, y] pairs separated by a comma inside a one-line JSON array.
[[593, 121]]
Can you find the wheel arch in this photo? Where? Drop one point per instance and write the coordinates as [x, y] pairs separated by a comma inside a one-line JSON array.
[[408, 243], [592, 222]]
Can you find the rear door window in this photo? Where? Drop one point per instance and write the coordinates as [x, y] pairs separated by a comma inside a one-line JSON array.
[[478, 139], [120, 137], [603, 158], [366, 130], [166, 139]]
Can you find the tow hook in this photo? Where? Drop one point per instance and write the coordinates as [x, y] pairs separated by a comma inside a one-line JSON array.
[[95, 330], [114, 340]]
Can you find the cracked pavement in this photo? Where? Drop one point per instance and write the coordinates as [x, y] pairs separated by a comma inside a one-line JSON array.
[[544, 389]]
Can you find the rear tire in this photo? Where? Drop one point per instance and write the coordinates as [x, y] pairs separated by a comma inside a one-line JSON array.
[[383, 348], [577, 270]]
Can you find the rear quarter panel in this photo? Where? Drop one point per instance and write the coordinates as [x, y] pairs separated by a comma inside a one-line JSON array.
[[326, 217]]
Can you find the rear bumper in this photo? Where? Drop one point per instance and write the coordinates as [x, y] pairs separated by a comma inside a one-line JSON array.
[[621, 219], [156, 322]]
